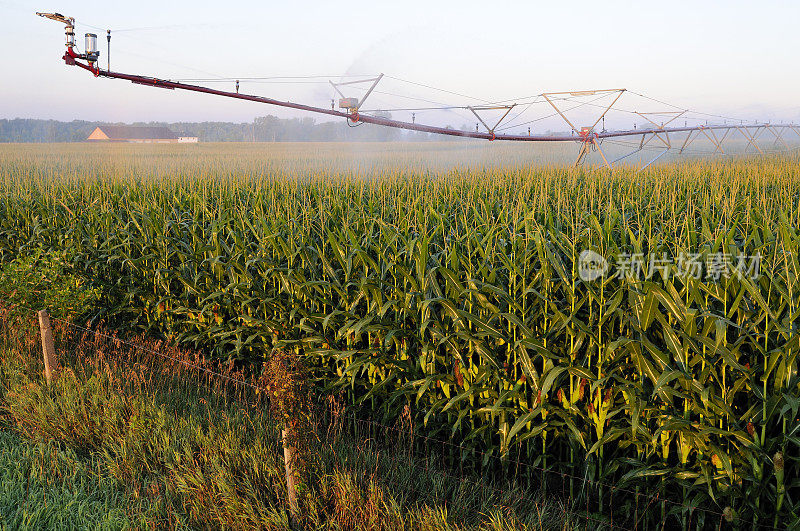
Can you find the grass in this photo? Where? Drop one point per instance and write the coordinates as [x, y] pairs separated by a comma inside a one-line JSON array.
[[44, 485], [122, 439], [443, 282]]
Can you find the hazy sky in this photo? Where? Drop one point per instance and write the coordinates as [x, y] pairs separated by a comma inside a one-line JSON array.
[[734, 57]]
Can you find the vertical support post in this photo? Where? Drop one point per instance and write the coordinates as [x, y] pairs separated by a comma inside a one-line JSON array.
[[48, 349], [289, 452]]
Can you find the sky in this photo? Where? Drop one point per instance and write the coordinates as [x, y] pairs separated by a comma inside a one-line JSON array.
[[732, 58]]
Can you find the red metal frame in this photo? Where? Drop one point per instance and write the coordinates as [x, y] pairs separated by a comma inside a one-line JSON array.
[[71, 58]]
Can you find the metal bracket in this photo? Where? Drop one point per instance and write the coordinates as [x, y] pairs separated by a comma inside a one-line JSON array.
[[547, 95], [590, 139], [721, 140], [69, 23], [586, 134], [491, 108], [778, 136], [581, 154], [751, 141], [374, 81], [713, 140], [677, 114], [688, 141]]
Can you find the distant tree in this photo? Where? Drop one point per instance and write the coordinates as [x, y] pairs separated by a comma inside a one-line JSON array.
[[262, 129]]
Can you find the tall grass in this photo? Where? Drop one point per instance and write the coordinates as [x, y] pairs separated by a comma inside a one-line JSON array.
[[126, 438], [455, 291], [43, 486]]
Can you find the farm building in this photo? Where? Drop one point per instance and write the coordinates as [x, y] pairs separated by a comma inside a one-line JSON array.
[[146, 135]]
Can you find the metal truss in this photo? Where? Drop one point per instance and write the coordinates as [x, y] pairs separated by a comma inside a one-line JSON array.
[[588, 138], [491, 130], [660, 131], [717, 136]]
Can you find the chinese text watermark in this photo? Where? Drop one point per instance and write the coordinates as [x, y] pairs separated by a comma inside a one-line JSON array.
[[638, 266]]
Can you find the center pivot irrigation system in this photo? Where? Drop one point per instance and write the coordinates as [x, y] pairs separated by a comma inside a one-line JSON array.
[[656, 130]]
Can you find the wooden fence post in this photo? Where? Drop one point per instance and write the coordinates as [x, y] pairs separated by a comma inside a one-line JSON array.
[[48, 350], [291, 476]]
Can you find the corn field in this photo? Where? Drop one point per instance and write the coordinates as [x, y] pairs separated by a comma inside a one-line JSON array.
[[409, 279]]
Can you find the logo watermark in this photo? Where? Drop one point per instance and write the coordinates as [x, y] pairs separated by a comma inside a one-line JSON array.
[[591, 266], [637, 266]]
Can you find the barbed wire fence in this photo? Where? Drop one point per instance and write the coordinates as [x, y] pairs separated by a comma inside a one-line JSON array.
[[235, 385]]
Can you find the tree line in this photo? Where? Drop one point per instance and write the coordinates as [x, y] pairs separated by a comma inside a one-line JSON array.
[[262, 129]]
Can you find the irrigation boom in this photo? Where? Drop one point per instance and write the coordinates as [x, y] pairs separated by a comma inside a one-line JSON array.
[[587, 137]]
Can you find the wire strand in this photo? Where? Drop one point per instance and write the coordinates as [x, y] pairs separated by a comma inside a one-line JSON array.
[[369, 422]]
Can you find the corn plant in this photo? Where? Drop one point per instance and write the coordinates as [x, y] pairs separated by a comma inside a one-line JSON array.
[[455, 292]]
